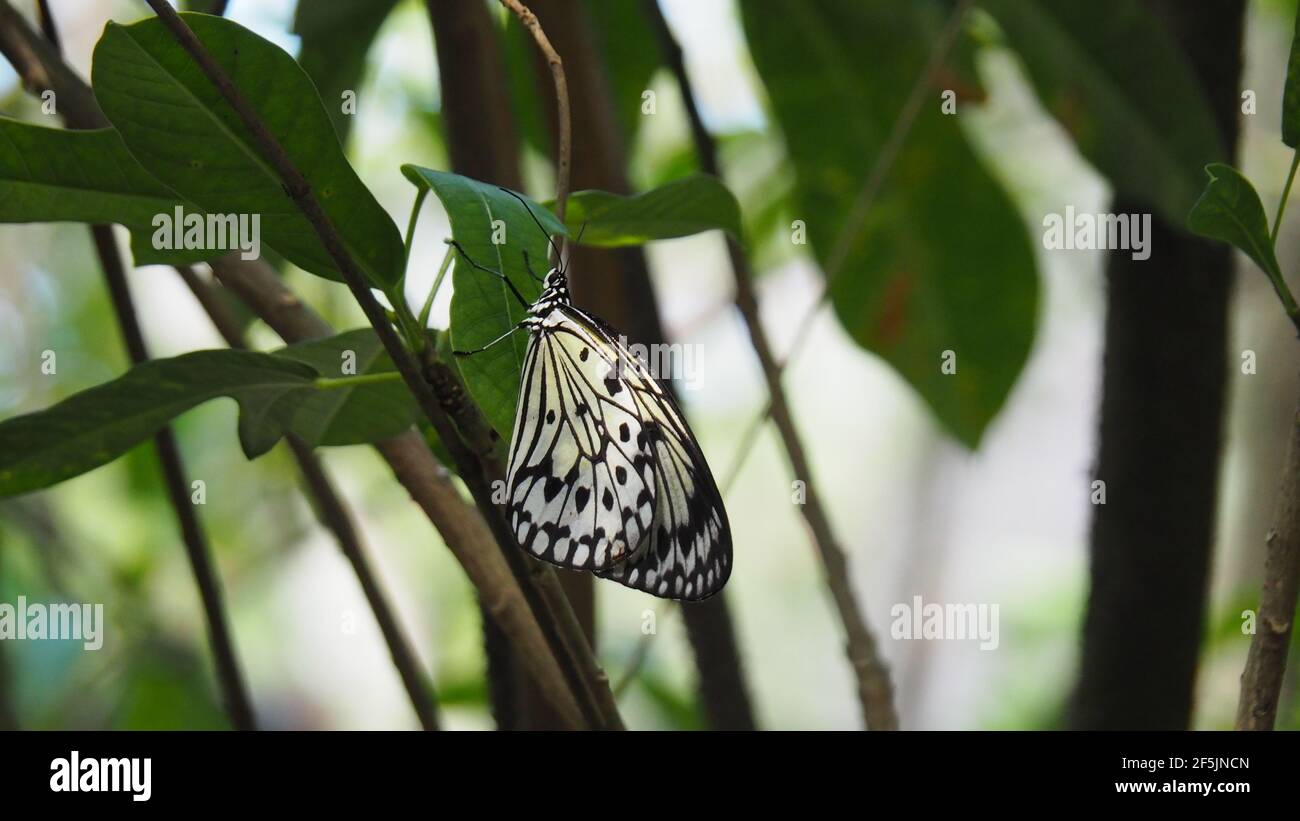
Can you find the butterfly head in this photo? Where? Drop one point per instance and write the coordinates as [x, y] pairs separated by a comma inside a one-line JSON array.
[[555, 291], [556, 280]]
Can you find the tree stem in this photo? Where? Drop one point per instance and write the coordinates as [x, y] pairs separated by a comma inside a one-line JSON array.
[[1286, 195], [564, 119], [333, 383]]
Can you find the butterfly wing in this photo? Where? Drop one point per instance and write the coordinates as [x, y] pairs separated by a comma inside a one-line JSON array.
[[687, 554], [581, 482], [605, 474]]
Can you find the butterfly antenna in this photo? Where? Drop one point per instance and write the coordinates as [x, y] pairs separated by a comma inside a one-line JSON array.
[[564, 267], [536, 222]]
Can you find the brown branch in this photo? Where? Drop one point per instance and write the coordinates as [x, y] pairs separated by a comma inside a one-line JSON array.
[[1160, 431], [481, 468], [41, 68], [233, 690], [48, 27], [875, 692], [334, 515], [483, 143], [223, 319], [1261, 682], [336, 518], [564, 126]]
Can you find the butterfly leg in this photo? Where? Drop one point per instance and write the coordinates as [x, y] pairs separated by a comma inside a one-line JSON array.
[[489, 345], [495, 273]]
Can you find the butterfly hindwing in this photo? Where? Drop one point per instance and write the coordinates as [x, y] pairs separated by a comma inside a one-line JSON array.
[[688, 552]]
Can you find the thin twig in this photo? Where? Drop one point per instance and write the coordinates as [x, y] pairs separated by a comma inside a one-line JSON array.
[[563, 123], [223, 319], [854, 225], [42, 69], [641, 652], [874, 689], [1261, 681], [48, 27], [1286, 195], [334, 515], [233, 689]]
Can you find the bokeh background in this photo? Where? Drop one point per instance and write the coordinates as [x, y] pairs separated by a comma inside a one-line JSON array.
[[919, 513]]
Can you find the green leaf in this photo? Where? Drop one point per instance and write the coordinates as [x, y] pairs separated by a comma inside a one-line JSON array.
[[677, 209], [943, 261], [351, 416], [1109, 72], [277, 394], [1230, 210], [182, 131], [95, 426], [336, 36], [54, 175], [1291, 93], [482, 307]]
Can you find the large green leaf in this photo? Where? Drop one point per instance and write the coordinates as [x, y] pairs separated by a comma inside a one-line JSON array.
[[182, 131], [677, 209], [336, 36], [95, 426], [351, 416], [53, 175], [277, 393], [1118, 83], [1230, 210], [942, 262], [482, 307]]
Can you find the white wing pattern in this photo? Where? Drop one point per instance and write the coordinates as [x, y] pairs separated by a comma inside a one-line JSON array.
[[604, 473]]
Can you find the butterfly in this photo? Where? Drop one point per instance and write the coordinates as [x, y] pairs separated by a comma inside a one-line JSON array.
[[604, 473]]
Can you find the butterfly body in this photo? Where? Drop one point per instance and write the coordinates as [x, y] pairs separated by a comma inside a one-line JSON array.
[[604, 474]]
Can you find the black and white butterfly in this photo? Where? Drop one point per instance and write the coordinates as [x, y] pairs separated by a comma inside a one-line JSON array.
[[604, 473]]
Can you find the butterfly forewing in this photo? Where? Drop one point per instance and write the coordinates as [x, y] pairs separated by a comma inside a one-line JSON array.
[[605, 474], [581, 482]]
